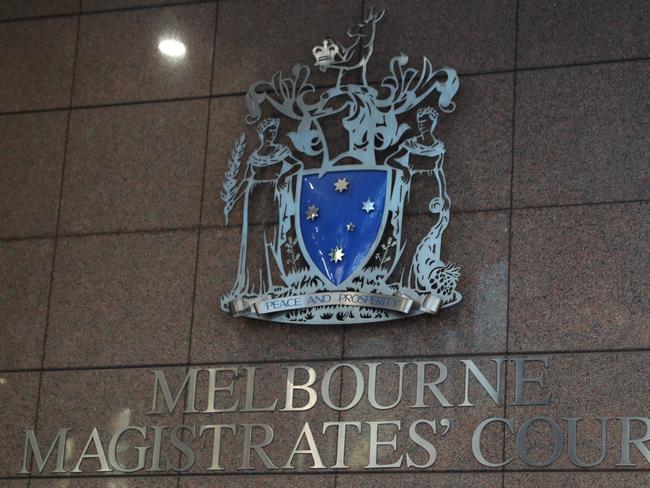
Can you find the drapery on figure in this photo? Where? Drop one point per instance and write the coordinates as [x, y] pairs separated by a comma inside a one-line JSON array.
[[427, 268], [270, 163]]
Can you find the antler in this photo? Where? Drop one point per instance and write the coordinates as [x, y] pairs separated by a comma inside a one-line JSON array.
[[375, 16]]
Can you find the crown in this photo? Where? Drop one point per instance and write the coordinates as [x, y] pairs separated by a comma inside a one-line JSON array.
[[325, 53], [430, 112], [266, 123]]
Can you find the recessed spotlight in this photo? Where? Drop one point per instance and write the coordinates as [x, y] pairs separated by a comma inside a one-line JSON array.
[[172, 48]]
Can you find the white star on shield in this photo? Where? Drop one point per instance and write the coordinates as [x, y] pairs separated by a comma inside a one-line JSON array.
[[368, 206], [336, 254], [312, 212], [341, 185]]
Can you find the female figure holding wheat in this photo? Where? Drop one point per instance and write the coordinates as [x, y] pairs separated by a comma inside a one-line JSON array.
[[269, 167]]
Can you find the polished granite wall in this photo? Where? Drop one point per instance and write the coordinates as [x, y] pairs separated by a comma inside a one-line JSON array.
[[113, 250]]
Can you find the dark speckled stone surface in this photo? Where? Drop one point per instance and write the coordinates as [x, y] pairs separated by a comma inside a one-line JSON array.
[[270, 385], [479, 244], [466, 35], [25, 267], [45, 80], [134, 277], [276, 481], [13, 9], [31, 156], [97, 5], [17, 483], [119, 61], [582, 135], [274, 35], [453, 446], [121, 299], [577, 480], [587, 386], [108, 400], [581, 31], [580, 278], [414, 480], [218, 336], [17, 394], [134, 167], [478, 141], [116, 482], [227, 122]]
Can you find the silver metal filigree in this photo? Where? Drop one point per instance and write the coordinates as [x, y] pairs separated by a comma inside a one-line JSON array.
[[311, 268]]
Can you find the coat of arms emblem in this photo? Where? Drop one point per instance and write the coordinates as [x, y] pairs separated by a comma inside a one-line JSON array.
[[336, 253]]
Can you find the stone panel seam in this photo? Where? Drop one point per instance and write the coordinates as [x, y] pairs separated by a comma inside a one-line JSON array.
[[205, 162], [198, 233], [317, 86], [344, 327], [512, 177], [161, 230], [108, 11], [54, 249], [129, 103], [288, 473], [253, 362]]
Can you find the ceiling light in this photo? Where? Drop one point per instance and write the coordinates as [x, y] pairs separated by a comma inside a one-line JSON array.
[[172, 48]]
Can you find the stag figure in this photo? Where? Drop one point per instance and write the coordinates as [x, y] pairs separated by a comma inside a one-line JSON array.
[[332, 54]]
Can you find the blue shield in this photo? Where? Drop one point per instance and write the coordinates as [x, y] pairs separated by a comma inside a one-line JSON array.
[[341, 219]]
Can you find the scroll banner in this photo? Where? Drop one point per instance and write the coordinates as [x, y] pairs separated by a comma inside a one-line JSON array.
[[398, 303]]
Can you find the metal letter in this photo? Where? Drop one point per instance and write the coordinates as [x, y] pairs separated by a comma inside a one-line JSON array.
[[558, 441], [358, 391], [291, 386], [171, 402], [432, 386], [212, 388], [476, 441], [248, 446], [423, 443], [157, 447], [100, 455], [639, 443], [375, 443], [112, 450], [470, 367], [183, 447], [340, 440], [372, 386], [521, 380], [312, 451], [32, 443], [573, 441], [250, 392], [216, 442]]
